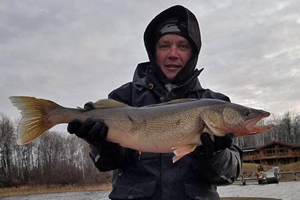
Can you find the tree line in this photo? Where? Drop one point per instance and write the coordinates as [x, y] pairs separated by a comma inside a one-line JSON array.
[[286, 130], [53, 159], [62, 159]]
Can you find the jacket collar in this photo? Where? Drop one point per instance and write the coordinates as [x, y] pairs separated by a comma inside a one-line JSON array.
[[145, 77]]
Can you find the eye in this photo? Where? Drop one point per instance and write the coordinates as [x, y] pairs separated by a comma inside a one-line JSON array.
[[163, 46], [184, 46], [247, 112]]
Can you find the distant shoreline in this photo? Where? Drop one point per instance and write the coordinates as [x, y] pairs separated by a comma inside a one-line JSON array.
[[43, 189], [285, 190]]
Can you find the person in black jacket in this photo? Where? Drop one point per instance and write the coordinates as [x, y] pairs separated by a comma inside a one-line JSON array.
[[172, 40]]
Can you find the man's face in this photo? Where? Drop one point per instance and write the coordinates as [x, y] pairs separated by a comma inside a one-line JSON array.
[[172, 53]]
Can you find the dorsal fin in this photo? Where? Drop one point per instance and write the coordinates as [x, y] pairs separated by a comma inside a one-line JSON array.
[[175, 101], [181, 100], [108, 103]]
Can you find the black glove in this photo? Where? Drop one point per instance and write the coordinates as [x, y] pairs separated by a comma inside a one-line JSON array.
[[106, 155], [210, 148], [91, 130]]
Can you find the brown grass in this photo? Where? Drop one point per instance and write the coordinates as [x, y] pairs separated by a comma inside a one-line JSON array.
[[249, 168], [28, 190], [290, 167], [252, 167]]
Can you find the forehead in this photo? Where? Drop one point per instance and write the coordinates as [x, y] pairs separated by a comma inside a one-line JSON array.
[[172, 37]]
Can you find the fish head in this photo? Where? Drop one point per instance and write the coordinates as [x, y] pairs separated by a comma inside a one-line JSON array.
[[236, 119], [242, 120]]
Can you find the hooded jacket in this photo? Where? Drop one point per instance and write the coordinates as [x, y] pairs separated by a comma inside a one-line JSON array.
[[152, 175], [191, 32]]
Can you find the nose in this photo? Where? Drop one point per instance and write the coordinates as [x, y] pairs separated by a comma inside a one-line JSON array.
[[173, 54]]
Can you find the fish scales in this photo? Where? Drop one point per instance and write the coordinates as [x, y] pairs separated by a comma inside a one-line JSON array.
[[144, 127]]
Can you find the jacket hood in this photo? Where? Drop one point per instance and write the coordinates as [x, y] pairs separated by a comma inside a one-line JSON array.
[[193, 35]]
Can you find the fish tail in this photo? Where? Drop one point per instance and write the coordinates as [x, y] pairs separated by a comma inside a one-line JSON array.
[[35, 117]]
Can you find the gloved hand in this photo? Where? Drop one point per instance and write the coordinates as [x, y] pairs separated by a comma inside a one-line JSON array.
[[210, 148], [106, 155], [92, 131]]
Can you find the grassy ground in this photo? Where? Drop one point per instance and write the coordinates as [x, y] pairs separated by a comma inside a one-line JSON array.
[[28, 190], [290, 167], [251, 168]]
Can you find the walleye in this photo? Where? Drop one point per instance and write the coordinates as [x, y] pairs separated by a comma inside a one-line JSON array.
[[174, 126]]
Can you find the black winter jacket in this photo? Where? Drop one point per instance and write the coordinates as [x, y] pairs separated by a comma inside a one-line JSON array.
[[154, 176]]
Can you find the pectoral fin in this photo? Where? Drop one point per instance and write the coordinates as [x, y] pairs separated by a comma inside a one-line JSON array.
[[182, 151]]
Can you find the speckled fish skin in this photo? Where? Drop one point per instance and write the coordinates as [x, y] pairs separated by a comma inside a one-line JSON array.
[[169, 127]]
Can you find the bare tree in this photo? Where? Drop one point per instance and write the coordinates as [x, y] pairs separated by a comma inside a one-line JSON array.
[[6, 147], [287, 130], [297, 128]]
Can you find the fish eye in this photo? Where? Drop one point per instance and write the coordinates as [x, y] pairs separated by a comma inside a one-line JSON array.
[[247, 112]]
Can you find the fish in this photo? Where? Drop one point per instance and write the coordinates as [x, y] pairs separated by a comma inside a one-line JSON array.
[[173, 126]]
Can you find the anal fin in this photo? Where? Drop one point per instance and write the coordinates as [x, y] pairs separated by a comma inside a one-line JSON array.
[[182, 151]]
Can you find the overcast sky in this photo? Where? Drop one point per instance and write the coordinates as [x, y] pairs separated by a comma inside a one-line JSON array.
[[72, 52]]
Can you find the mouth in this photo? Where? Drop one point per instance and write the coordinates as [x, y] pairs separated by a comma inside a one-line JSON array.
[[254, 128], [173, 67]]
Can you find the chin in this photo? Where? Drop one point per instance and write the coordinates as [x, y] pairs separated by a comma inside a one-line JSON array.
[[170, 78]]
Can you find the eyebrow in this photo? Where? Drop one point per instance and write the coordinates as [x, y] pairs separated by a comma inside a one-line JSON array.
[[163, 41], [180, 41]]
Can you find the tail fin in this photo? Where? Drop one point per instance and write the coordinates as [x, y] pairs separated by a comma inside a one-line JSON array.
[[35, 114]]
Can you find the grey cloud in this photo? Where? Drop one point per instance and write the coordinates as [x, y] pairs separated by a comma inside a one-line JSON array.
[[77, 51]]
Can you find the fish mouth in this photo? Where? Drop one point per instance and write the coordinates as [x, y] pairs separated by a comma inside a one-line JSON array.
[[253, 127]]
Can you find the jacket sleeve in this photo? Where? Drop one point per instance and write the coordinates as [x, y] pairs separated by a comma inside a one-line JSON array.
[[224, 167], [116, 158]]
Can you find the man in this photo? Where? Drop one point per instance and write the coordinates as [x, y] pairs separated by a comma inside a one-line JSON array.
[[173, 42]]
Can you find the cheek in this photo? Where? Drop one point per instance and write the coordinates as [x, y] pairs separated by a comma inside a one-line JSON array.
[[159, 56], [186, 57], [232, 117]]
